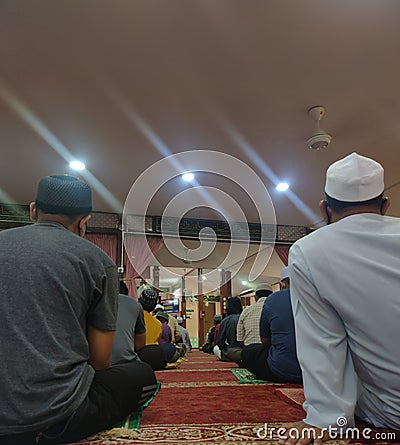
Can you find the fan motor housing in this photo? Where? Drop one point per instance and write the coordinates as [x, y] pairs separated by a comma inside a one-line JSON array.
[[318, 141]]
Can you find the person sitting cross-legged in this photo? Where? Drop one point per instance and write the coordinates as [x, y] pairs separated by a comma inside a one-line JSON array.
[[185, 335], [152, 352], [275, 358], [248, 327], [57, 332], [211, 336], [226, 338], [345, 297], [130, 335], [165, 340]]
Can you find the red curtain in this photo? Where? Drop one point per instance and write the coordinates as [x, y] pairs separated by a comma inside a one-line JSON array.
[[107, 243], [141, 251], [283, 254]]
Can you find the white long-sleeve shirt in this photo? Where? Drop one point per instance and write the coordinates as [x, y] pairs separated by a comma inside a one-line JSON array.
[[345, 291]]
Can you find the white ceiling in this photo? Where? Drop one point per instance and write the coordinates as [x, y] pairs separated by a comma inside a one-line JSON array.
[[123, 84]]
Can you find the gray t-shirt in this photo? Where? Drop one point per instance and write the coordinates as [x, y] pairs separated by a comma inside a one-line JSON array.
[[130, 321], [53, 284]]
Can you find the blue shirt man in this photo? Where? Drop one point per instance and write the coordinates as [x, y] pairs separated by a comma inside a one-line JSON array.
[[275, 358], [277, 326]]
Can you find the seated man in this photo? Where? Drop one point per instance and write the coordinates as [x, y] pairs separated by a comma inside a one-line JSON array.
[[58, 300], [172, 323], [185, 335], [211, 336], [165, 341], [226, 338], [248, 328], [345, 296], [130, 335], [176, 332], [152, 353], [275, 359]]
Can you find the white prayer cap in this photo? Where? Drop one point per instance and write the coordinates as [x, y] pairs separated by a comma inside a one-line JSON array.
[[354, 178], [263, 286], [284, 273], [159, 307]]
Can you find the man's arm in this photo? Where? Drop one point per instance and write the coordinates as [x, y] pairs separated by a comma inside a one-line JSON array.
[[103, 314], [240, 329], [265, 330], [140, 341], [330, 384], [100, 347], [140, 330], [266, 341], [177, 332]]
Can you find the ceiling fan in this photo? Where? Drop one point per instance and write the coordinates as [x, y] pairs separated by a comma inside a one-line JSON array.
[[320, 138]]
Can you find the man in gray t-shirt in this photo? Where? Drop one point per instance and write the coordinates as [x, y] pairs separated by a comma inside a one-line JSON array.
[[58, 306], [130, 335]]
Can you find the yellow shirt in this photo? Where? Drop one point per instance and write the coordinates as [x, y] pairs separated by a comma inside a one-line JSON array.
[[153, 329]]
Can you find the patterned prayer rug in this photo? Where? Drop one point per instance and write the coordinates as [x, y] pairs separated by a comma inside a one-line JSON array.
[[245, 376], [206, 434]]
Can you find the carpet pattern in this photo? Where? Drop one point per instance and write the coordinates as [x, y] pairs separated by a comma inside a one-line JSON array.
[[245, 376], [203, 403], [206, 434]]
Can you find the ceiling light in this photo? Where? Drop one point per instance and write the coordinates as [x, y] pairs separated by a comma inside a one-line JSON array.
[[188, 177], [282, 186], [204, 277], [244, 283], [77, 165]]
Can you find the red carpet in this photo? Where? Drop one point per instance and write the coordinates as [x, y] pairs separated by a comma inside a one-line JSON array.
[[294, 396], [200, 376], [253, 403], [202, 403]]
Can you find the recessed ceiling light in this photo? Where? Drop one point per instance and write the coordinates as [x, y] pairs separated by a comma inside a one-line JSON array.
[[282, 186], [244, 283], [204, 277], [188, 177], [77, 165]]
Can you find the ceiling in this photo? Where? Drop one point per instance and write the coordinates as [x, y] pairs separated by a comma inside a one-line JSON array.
[[123, 84]]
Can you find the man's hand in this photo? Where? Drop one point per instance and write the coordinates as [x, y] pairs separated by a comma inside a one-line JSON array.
[[300, 433]]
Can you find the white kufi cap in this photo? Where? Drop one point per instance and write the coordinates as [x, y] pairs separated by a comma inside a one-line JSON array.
[[354, 178], [284, 273], [263, 286]]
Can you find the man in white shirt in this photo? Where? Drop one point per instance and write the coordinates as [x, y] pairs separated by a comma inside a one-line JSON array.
[[345, 296]]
